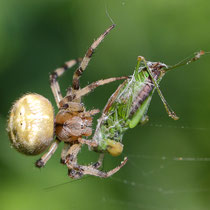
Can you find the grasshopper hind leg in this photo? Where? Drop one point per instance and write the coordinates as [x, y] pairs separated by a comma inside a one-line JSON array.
[[170, 112]]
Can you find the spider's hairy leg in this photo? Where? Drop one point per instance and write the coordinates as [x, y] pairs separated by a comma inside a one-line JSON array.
[[57, 73], [76, 171], [64, 152], [92, 86], [99, 163], [89, 113], [72, 153], [88, 142], [87, 57], [90, 170], [43, 160]]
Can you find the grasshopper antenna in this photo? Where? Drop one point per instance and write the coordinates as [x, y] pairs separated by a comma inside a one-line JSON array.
[[108, 15]]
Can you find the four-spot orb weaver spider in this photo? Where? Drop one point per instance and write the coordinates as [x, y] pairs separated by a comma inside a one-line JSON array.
[[32, 125]]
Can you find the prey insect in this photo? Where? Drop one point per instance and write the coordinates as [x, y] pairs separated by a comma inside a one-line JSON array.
[[129, 104], [32, 125]]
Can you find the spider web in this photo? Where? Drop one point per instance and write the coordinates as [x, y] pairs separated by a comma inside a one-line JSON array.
[[153, 169], [169, 162], [154, 177]]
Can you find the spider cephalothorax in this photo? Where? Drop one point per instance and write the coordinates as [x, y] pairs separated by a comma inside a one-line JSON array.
[[34, 132], [73, 122]]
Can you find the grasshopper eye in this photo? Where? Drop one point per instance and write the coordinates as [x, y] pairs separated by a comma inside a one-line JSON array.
[[31, 124]]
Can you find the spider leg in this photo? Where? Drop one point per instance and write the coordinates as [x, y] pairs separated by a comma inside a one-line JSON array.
[[98, 164], [88, 142], [86, 59], [89, 113], [76, 171], [93, 144], [91, 170], [43, 160], [94, 85], [64, 152], [72, 153], [53, 79], [76, 95]]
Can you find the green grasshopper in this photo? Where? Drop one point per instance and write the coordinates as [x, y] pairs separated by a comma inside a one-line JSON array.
[[128, 105]]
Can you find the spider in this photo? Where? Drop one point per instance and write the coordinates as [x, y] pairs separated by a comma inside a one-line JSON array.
[[32, 125]]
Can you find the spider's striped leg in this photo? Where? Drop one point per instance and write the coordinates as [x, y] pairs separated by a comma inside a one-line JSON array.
[[98, 164], [90, 170], [92, 86], [90, 143], [43, 160], [86, 59], [76, 171], [89, 113], [53, 79], [64, 152]]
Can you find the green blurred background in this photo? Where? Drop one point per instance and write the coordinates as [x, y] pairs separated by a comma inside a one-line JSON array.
[[38, 36]]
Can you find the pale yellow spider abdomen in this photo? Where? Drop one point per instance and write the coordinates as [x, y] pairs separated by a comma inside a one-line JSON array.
[[31, 124]]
